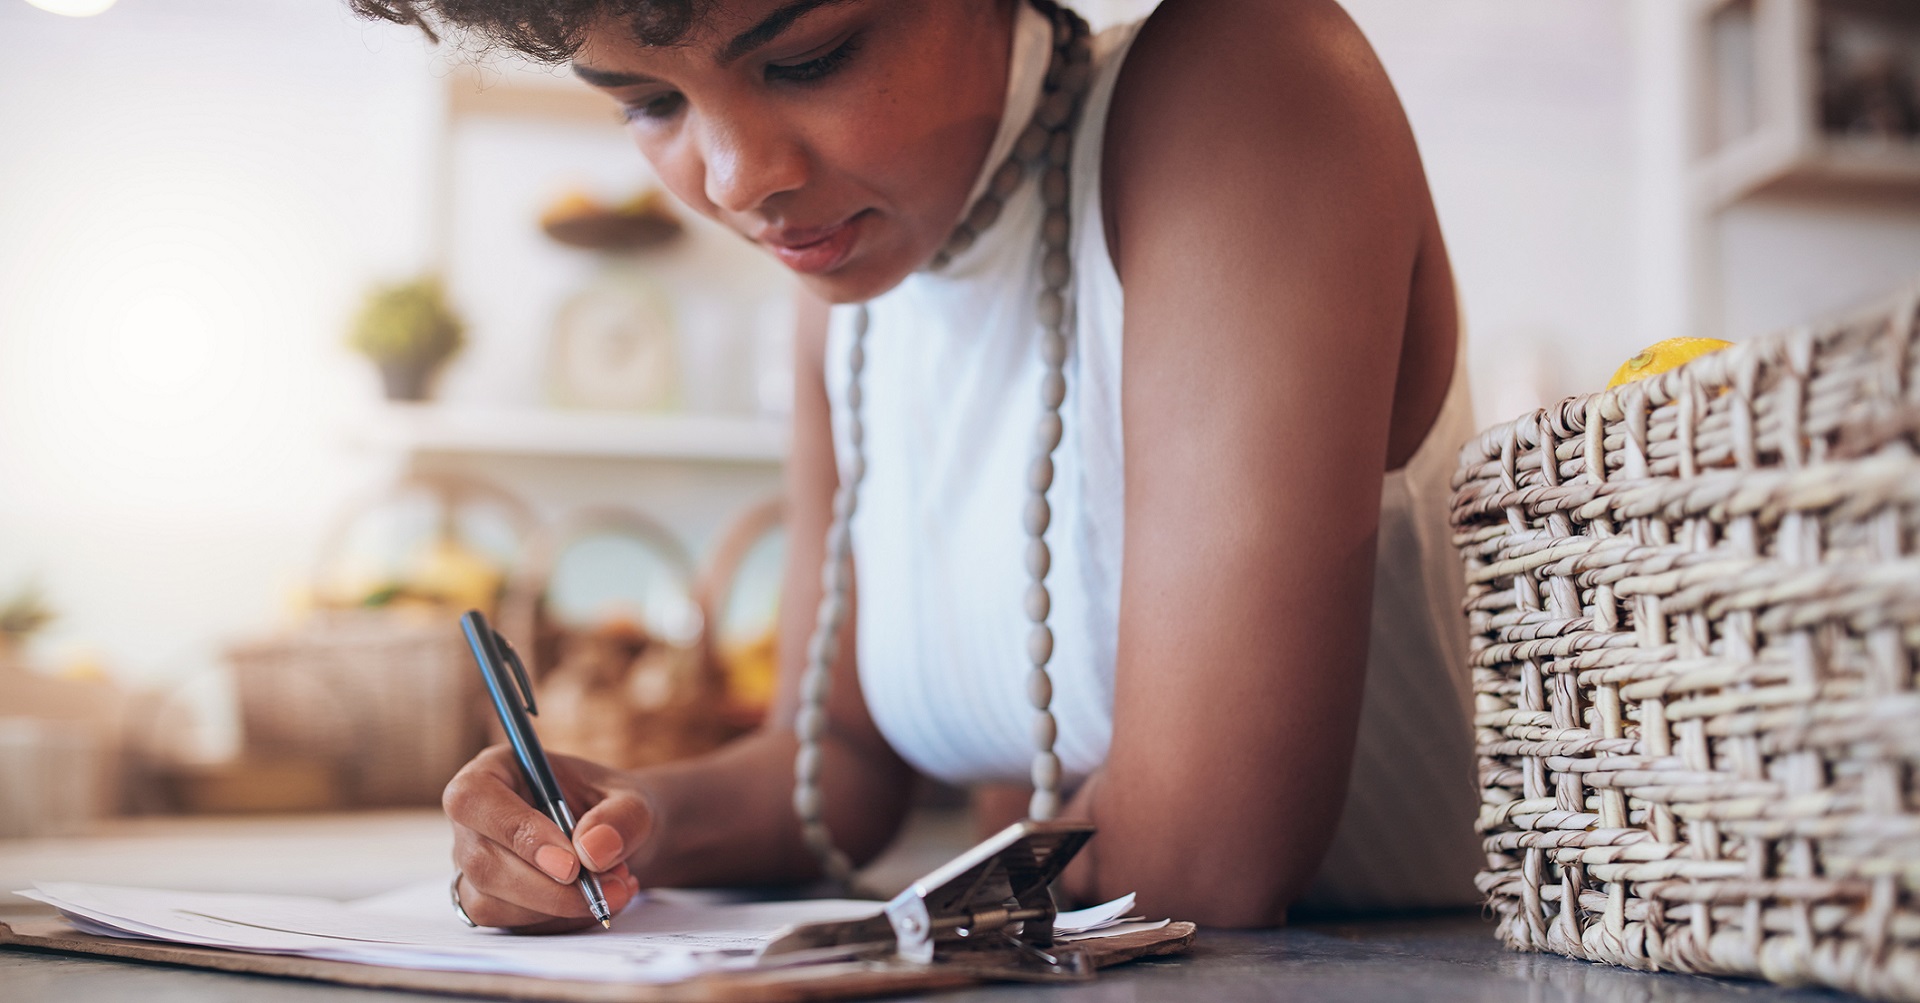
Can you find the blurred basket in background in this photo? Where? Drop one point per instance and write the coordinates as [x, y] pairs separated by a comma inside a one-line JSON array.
[[629, 683], [742, 641], [1695, 604], [380, 690]]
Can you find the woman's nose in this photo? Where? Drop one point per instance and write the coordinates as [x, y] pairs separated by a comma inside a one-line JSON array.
[[749, 163]]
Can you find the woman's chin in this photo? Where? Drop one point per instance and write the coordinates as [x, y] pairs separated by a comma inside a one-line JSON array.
[[858, 280]]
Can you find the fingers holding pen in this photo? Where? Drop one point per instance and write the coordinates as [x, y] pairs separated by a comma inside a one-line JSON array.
[[613, 829], [520, 867], [500, 889]]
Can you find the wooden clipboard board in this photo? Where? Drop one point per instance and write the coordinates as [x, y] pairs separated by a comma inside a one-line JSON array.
[[833, 981]]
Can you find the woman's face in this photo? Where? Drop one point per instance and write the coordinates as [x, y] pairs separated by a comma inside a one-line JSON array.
[[841, 135]]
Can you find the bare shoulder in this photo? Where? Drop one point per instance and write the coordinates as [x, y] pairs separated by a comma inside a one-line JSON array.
[[1264, 198], [1223, 101]]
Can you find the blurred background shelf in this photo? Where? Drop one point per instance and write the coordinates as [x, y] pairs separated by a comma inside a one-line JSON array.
[[553, 432], [1806, 98], [1837, 165]]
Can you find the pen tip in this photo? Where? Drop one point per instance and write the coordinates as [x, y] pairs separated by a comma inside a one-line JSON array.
[[606, 924]]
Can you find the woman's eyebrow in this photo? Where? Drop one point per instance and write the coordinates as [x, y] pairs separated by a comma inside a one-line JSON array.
[[770, 28], [609, 78]]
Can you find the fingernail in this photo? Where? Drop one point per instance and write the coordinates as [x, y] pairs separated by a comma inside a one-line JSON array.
[[556, 862], [601, 847]]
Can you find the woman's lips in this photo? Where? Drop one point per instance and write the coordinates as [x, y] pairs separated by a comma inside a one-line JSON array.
[[815, 250]]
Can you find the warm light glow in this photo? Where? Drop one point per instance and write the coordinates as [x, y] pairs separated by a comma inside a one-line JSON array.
[[73, 8]]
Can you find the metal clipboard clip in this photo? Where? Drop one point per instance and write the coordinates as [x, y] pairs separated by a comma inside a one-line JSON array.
[[988, 912]]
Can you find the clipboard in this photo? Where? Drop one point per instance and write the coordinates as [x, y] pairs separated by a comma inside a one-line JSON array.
[[986, 915], [827, 981]]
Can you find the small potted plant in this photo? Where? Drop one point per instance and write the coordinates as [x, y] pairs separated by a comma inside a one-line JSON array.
[[408, 330], [21, 617]]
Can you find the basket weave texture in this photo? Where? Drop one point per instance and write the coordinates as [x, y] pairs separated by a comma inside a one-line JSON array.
[[1695, 607], [393, 703]]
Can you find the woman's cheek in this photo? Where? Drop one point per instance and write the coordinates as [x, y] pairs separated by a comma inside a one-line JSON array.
[[678, 169]]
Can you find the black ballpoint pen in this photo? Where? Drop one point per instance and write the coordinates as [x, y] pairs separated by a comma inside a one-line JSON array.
[[513, 701]]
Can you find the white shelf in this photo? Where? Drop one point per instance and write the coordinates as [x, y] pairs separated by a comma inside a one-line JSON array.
[[1833, 165], [536, 431]]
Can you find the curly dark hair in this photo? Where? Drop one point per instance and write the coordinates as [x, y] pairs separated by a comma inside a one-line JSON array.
[[550, 31]]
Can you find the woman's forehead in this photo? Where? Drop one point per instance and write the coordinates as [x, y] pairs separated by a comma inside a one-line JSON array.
[[723, 30]]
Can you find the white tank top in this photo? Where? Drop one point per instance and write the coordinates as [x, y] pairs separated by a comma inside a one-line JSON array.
[[952, 396]]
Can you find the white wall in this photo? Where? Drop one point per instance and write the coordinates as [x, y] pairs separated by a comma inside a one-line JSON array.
[[192, 195], [1523, 114]]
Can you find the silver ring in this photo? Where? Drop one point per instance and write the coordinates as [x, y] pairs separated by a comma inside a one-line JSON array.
[[453, 893]]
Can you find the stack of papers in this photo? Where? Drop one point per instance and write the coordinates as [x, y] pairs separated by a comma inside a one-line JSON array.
[[662, 937]]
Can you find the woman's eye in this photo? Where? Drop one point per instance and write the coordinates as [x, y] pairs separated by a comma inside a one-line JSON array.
[[663, 106], [814, 69]]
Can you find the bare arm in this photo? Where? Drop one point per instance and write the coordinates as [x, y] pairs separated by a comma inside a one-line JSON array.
[[1265, 313], [725, 818]]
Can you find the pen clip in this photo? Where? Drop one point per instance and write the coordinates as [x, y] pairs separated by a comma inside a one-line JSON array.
[[519, 671]]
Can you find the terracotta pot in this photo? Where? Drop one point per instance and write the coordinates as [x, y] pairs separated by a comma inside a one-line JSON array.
[[408, 379]]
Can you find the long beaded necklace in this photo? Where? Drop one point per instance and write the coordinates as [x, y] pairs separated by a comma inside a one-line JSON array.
[[1045, 146]]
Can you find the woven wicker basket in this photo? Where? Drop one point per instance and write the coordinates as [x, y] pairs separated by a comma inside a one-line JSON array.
[[1695, 607], [389, 699]]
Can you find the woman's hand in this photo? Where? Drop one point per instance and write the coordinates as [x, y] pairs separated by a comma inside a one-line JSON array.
[[518, 871]]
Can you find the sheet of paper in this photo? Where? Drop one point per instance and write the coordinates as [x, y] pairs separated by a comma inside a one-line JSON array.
[[658, 939]]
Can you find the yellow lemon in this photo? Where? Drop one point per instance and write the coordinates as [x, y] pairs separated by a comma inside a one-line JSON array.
[[1662, 356]]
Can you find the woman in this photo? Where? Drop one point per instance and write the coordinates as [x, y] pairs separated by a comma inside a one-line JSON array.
[[1238, 192]]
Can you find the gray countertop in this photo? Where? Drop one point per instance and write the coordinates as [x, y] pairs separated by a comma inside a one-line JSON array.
[[1440, 958]]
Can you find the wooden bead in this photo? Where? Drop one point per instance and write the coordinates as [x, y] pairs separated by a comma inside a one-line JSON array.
[[1032, 144], [1053, 187], [807, 765], [1039, 688], [823, 649], [1055, 110], [1045, 731], [806, 801], [1046, 772], [1039, 602], [810, 724], [831, 615], [1053, 349], [814, 686], [1007, 180], [1037, 516], [984, 213], [1060, 149], [1074, 77], [940, 260], [1055, 269], [1040, 649], [817, 838], [1039, 559], [1054, 230], [1046, 434], [1040, 474], [959, 242], [1053, 389], [1043, 805], [1053, 308]]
